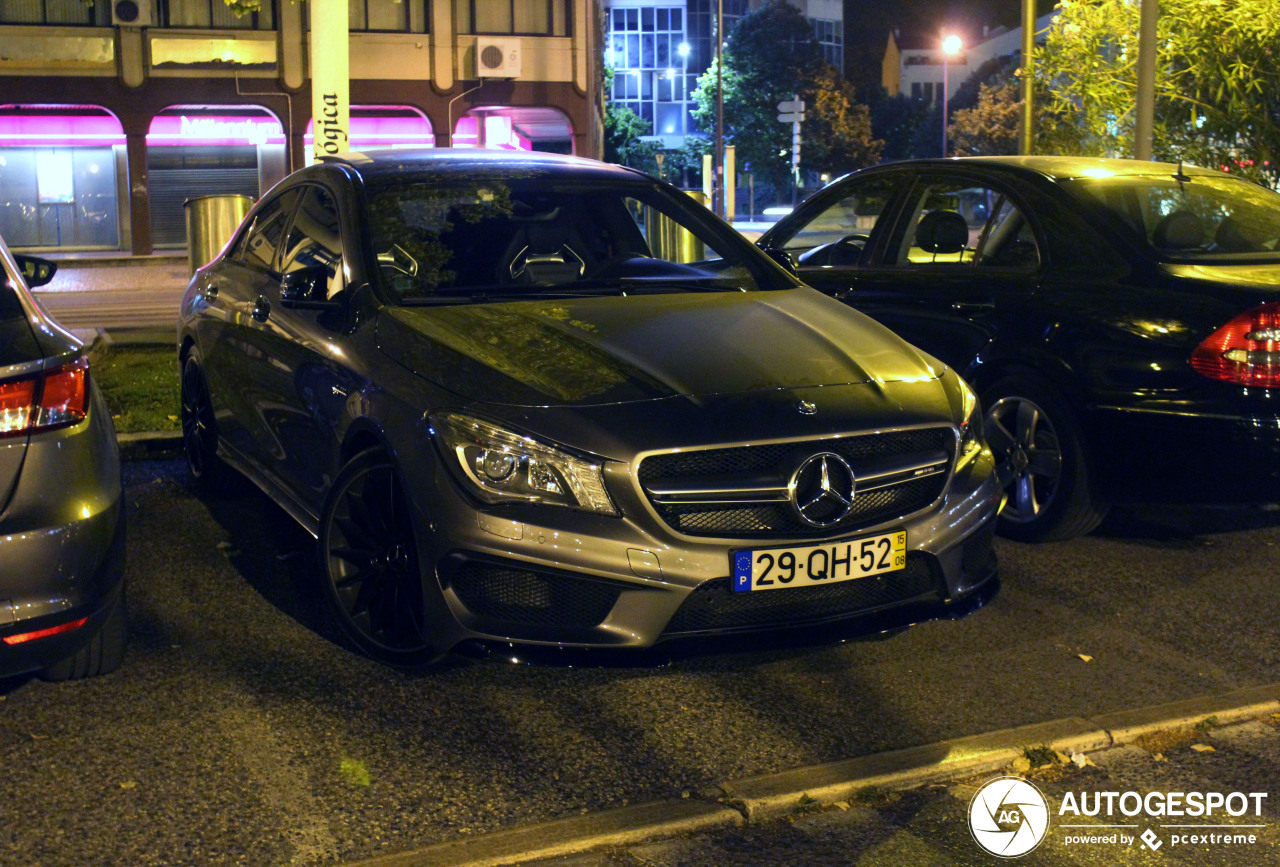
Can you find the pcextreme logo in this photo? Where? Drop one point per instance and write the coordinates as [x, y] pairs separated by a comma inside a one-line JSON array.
[[1009, 817]]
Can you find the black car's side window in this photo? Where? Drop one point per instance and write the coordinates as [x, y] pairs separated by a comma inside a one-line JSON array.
[[838, 235], [961, 224], [315, 238], [258, 246]]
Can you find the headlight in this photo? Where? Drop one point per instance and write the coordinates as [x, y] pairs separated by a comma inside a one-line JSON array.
[[504, 466], [971, 431]]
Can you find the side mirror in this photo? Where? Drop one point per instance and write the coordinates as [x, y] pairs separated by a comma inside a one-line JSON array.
[[36, 271], [783, 258], [307, 289]]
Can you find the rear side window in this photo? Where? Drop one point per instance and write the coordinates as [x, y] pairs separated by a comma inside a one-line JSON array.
[[961, 224]]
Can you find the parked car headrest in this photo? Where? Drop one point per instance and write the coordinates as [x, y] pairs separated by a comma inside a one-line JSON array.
[[1234, 237], [942, 232], [1181, 230]]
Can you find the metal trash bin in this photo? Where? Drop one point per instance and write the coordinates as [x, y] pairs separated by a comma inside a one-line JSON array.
[[211, 221]]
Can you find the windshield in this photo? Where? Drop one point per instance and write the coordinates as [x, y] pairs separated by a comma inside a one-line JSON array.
[[517, 238], [1195, 218]]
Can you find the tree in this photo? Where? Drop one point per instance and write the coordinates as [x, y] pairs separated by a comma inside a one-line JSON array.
[[990, 128], [837, 129], [1217, 80], [908, 127], [623, 129], [770, 57]]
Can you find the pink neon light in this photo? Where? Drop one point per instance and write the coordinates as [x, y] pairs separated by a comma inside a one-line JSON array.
[[384, 131], [499, 134], [168, 130], [60, 131]]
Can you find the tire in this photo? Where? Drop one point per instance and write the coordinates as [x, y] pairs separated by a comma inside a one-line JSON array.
[[369, 564], [1041, 456], [103, 653], [200, 430]]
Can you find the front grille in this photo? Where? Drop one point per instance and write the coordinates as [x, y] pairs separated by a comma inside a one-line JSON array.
[[715, 607], [514, 595], [774, 463]]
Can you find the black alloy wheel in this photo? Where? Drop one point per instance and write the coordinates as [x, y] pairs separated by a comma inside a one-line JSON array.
[[370, 563], [199, 430], [1041, 458]]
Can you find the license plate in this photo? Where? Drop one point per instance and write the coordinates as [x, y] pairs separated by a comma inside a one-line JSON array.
[[807, 565]]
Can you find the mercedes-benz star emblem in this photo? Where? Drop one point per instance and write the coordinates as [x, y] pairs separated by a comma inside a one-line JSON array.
[[821, 490]]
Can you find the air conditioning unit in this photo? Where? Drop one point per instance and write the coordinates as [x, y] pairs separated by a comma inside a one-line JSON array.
[[131, 13], [495, 58]]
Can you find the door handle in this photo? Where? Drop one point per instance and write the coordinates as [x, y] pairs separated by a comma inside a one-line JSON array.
[[261, 309]]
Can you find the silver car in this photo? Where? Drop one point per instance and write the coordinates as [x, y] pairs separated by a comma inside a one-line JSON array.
[[543, 401], [62, 514]]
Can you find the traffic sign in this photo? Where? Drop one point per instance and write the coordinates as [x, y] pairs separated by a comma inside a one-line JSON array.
[[791, 111]]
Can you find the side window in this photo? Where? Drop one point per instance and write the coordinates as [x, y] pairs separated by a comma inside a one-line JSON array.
[[962, 224], [838, 235], [315, 238], [258, 247], [1009, 241]]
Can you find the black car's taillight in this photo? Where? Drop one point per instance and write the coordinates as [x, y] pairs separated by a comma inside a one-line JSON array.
[[1245, 351], [46, 400]]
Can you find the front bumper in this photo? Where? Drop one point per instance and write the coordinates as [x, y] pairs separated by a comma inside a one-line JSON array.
[[562, 579]]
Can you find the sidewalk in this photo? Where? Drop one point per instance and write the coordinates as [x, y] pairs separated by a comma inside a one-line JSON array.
[[758, 801]]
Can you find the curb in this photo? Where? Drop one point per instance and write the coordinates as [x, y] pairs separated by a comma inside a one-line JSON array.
[[752, 799], [150, 445]]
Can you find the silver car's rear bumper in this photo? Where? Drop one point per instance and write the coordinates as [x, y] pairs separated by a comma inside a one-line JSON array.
[[62, 539]]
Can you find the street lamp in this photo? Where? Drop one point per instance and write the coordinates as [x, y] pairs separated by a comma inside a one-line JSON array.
[[951, 46]]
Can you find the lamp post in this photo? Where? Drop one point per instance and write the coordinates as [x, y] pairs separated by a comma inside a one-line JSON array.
[[951, 46], [717, 155]]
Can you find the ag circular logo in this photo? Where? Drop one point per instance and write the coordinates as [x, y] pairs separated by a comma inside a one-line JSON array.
[[1008, 817]]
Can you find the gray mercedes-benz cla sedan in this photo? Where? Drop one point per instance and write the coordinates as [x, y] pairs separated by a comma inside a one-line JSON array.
[[524, 399]]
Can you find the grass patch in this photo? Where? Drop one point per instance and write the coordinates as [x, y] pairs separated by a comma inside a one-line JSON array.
[[140, 384]]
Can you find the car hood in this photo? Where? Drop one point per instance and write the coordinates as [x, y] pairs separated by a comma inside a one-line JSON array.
[[609, 350]]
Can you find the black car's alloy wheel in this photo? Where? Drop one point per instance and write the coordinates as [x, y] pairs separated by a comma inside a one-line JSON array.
[[1042, 462], [199, 431], [370, 563]]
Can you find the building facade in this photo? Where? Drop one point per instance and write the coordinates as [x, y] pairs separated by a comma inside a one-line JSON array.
[[114, 112], [658, 49], [914, 63]]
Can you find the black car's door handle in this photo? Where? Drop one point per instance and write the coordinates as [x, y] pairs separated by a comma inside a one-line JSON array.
[[972, 308], [261, 309]]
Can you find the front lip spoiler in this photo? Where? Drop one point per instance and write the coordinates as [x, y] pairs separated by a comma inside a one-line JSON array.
[[879, 624]]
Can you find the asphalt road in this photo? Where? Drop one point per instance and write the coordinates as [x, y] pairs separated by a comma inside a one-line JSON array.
[[238, 731]]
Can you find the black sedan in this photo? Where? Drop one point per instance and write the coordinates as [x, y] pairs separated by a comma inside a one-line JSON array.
[[62, 517], [541, 400], [1120, 320]]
